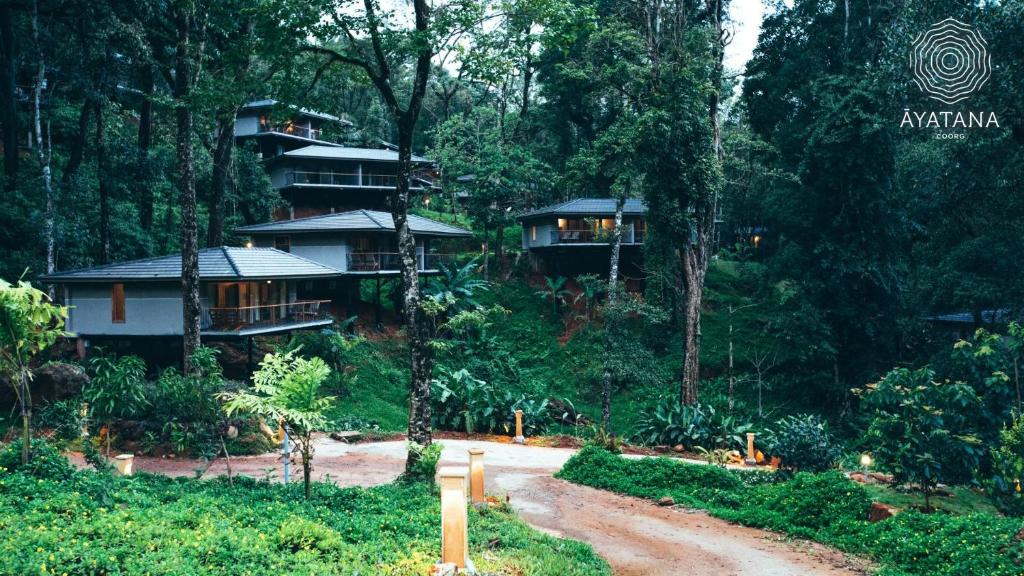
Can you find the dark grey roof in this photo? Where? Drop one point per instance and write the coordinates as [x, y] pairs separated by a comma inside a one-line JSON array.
[[222, 263], [347, 153], [997, 316], [355, 221], [589, 207], [269, 103]]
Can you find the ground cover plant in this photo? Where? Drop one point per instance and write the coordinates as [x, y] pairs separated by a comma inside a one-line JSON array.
[[825, 507], [55, 520]]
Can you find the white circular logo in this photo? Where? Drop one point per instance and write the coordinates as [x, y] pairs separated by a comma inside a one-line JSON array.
[[950, 61]]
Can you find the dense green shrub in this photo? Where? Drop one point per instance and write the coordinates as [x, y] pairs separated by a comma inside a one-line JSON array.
[[673, 423], [1008, 464], [96, 524], [465, 403], [825, 507], [922, 429], [45, 462], [690, 484], [804, 443], [63, 417]]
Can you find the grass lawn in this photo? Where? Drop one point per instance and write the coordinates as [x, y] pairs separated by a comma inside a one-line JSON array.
[[58, 521], [963, 501], [828, 508]]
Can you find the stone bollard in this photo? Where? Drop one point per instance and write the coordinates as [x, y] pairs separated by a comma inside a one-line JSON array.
[[124, 462], [751, 456], [519, 439], [476, 477], [454, 521]]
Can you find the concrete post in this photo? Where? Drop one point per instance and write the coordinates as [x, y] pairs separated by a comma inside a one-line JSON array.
[[751, 456], [476, 476], [454, 521], [124, 462], [519, 439]]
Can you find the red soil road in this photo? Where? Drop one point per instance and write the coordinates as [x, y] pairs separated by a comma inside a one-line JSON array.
[[637, 537]]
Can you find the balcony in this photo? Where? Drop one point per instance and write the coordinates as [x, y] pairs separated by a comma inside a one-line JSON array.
[[291, 129], [390, 261], [590, 236], [247, 320], [350, 180]]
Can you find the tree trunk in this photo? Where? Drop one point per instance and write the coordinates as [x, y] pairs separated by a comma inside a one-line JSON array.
[[187, 191], [9, 99], [144, 185], [26, 417], [421, 354], [307, 468], [484, 268], [103, 177], [613, 282], [694, 273], [44, 160], [222, 156]]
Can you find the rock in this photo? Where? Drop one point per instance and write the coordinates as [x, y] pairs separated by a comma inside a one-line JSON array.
[[881, 511], [232, 432], [59, 380], [678, 448], [666, 501], [661, 449], [759, 457], [859, 477], [879, 477], [348, 437], [447, 569]]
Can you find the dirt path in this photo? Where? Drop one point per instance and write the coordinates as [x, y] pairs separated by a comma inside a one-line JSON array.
[[636, 536]]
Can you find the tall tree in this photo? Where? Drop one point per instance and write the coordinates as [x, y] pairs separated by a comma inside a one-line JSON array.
[[184, 13], [371, 40]]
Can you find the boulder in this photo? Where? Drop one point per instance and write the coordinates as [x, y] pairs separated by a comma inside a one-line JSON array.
[[347, 436], [666, 501], [859, 477], [447, 569], [881, 511], [879, 477], [59, 380], [678, 448]]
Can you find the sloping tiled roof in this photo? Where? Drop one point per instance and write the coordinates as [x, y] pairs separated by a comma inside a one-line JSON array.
[[347, 153], [355, 221], [270, 103], [222, 263], [589, 207]]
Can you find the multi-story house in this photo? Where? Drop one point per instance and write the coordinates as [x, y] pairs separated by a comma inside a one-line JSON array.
[[574, 237], [316, 175]]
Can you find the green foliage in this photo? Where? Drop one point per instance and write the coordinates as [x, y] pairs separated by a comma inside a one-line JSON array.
[[461, 284], [286, 389], [116, 386], [427, 458], [47, 462], [921, 429], [554, 291], [1008, 462], [63, 417], [825, 507], [90, 524], [29, 324], [804, 443], [462, 402], [673, 423]]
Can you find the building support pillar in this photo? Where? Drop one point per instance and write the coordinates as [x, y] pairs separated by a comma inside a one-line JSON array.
[[377, 307]]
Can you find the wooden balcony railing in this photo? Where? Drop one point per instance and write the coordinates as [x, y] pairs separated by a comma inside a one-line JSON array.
[[390, 262], [234, 319], [344, 179], [589, 236], [301, 131]]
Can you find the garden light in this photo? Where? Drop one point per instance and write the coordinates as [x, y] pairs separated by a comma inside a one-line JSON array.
[[476, 476], [865, 460], [751, 457], [454, 530], [519, 439]]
